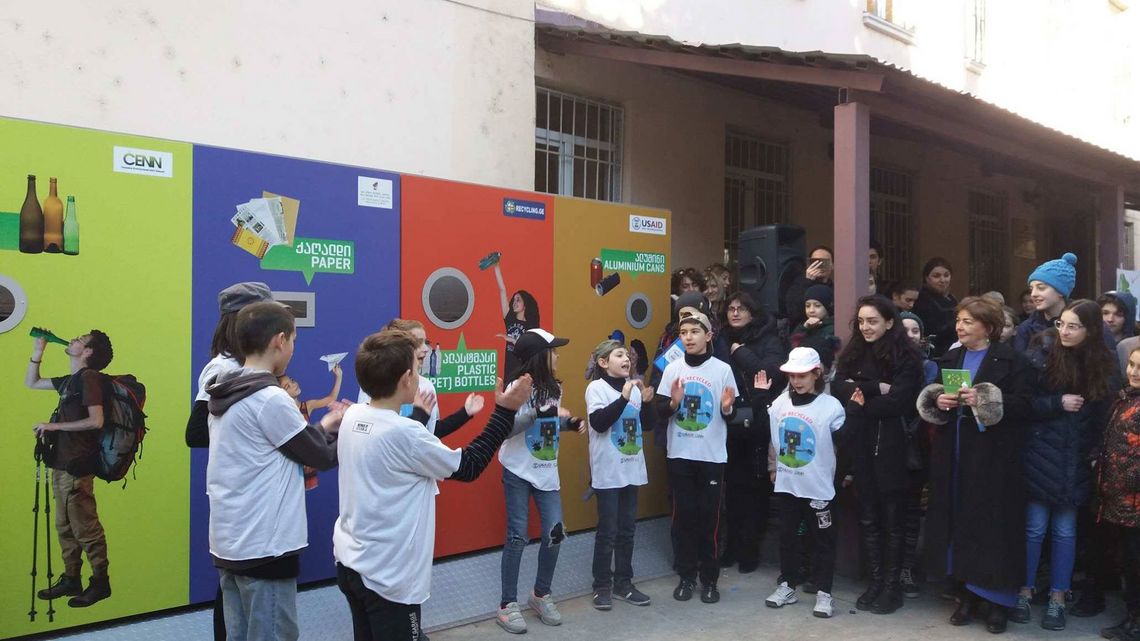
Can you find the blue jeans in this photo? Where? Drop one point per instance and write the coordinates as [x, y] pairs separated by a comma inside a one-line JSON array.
[[549, 503], [1064, 530], [259, 609], [613, 540]]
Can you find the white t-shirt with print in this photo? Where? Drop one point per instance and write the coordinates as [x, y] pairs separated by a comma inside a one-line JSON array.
[[257, 494], [616, 456], [532, 454], [425, 386], [697, 431], [388, 468], [805, 454], [217, 365]]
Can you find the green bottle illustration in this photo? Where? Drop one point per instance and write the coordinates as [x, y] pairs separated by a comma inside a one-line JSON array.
[[70, 229], [46, 334], [1122, 286]]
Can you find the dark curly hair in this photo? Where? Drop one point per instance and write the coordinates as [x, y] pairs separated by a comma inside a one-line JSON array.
[[890, 352], [101, 350]]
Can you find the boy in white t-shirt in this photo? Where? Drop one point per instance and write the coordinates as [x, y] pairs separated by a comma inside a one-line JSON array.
[[258, 444], [619, 408], [804, 424], [384, 538], [697, 393]]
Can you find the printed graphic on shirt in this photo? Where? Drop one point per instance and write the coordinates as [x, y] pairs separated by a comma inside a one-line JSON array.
[[797, 442], [625, 434], [542, 439], [696, 409]]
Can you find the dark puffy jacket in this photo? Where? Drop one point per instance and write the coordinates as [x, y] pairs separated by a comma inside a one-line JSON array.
[[879, 448], [937, 314], [1061, 445], [1119, 468]]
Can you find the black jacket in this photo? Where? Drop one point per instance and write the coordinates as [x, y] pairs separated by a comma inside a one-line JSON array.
[[879, 449], [937, 314], [794, 298]]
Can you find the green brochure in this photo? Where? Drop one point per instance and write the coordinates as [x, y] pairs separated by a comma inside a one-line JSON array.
[[955, 379]]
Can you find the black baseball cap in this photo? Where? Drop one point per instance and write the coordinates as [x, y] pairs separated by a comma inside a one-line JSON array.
[[533, 341]]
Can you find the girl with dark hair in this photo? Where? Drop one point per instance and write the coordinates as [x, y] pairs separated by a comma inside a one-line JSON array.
[[529, 457], [518, 317], [1077, 383], [885, 365], [935, 304]]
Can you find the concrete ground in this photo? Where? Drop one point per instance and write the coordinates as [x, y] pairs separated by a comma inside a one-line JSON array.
[[741, 614]]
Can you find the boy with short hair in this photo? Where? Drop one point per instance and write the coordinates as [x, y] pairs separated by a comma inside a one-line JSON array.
[[697, 393], [258, 444], [72, 437], [384, 538]]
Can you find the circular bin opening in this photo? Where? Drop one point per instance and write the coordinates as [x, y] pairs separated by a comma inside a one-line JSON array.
[[638, 311], [13, 303], [448, 298]]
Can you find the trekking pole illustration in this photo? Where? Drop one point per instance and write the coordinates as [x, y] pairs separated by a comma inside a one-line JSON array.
[[492, 260], [47, 335], [35, 530]]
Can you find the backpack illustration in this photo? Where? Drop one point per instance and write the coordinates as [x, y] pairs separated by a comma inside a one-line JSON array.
[[124, 427]]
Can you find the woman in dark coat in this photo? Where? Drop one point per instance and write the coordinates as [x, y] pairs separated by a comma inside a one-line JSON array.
[[1071, 405], [749, 342], [882, 362], [936, 305], [976, 515]]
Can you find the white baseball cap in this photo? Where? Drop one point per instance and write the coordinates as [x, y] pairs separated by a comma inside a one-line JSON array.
[[801, 360]]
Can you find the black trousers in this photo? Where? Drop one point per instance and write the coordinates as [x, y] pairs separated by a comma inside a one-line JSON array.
[[746, 514], [819, 517], [375, 618], [912, 521], [696, 512], [881, 522], [1130, 540]]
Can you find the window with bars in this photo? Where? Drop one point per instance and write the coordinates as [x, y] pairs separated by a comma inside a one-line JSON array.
[[891, 198], [755, 186], [577, 146], [976, 31], [989, 242]]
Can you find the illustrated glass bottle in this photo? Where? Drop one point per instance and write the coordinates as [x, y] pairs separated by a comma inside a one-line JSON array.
[[53, 221], [31, 221], [70, 229]]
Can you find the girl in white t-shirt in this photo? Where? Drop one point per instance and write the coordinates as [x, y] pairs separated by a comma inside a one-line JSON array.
[[804, 424], [619, 409], [530, 469]]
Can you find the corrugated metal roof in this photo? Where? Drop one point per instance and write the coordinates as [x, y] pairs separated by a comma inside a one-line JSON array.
[[556, 24]]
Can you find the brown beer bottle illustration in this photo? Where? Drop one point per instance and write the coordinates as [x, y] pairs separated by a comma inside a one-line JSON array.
[[31, 221], [53, 221]]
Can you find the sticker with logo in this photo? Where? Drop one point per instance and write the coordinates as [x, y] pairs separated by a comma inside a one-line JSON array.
[[373, 192], [542, 439], [696, 409], [530, 209], [362, 427], [145, 162], [797, 442], [646, 225], [625, 434]]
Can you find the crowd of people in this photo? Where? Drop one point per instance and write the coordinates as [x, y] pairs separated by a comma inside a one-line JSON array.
[[980, 443]]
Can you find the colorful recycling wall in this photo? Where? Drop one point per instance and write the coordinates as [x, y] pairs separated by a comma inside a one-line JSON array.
[[163, 226]]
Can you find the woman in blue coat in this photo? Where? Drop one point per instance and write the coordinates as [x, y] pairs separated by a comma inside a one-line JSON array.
[[1074, 393]]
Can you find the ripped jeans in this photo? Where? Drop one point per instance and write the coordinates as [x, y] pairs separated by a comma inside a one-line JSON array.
[[549, 503]]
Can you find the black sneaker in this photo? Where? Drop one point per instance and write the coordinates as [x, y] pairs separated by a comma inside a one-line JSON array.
[[684, 590], [632, 596], [602, 599], [1054, 616], [868, 597], [98, 589], [709, 593], [66, 585], [1022, 612], [907, 583], [747, 567]]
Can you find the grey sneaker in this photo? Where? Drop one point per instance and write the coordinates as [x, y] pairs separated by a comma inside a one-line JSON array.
[[1021, 613], [1054, 616], [547, 612], [823, 607], [511, 619], [632, 596], [782, 596], [602, 600]]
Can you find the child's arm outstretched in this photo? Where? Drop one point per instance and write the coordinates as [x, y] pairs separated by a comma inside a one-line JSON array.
[[319, 403], [478, 454], [451, 424]]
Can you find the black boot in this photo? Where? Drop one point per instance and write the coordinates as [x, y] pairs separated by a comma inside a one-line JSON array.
[[1126, 630], [997, 618], [98, 589], [1090, 604], [871, 544], [67, 585], [967, 605], [891, 598]]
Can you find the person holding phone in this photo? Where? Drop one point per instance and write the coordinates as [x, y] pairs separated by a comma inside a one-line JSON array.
[[820, 269]]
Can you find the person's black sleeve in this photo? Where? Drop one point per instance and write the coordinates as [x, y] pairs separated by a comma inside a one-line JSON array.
[[761, 399], [451, 424], [197, 427], [311, 446], [479, 452], [604, 418], [765, 355], [854, 417], [420, 416], [663, 412], [648, 416]]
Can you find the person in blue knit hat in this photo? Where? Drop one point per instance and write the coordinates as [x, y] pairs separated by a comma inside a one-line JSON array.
[[1049, 287]]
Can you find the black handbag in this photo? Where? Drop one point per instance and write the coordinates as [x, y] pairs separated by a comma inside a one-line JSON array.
[[742, 417]]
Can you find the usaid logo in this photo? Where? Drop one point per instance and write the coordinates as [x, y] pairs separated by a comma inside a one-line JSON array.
[[143, 161], [646, 225], [524, 209]]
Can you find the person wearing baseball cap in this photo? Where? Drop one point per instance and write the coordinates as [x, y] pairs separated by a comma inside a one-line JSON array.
[[697, 392], [529, 457], [805, 423]]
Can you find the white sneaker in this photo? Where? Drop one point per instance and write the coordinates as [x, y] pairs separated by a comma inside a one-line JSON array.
[[822, 607], [782, 596], [511, 619], [545, 608]]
